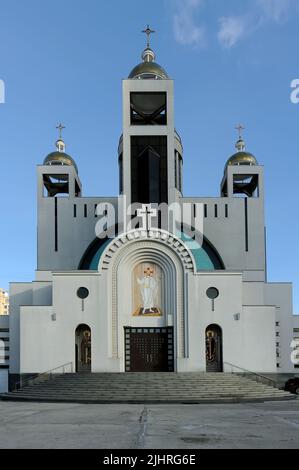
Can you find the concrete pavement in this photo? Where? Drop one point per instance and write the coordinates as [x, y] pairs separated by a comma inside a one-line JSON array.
[[272, 425]]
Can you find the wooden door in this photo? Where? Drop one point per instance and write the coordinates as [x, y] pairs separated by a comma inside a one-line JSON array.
[[149, 349]]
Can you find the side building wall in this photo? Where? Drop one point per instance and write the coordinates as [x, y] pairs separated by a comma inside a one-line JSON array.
[[4, 352]]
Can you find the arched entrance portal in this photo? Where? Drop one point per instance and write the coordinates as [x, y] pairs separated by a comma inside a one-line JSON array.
[[214, 349], [83, 348]]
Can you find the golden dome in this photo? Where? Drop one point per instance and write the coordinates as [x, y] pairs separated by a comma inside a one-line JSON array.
[[148, 69], [242, 158], [59, 157]]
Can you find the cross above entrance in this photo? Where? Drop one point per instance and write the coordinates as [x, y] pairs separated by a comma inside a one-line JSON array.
[[146, 213]]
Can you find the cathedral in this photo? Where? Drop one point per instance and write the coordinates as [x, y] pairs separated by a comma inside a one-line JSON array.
[[150, 280]]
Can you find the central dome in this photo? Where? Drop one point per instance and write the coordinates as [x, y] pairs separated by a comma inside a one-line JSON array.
[[148, 69]]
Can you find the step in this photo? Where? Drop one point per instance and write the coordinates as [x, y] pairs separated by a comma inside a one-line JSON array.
[[148, 388]]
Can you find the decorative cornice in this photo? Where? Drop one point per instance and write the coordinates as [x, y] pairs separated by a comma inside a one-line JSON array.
[[156, 235]]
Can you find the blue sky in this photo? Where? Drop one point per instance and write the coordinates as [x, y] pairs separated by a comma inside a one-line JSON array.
[[232, 61]]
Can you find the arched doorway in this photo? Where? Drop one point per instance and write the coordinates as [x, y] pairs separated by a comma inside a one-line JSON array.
[[214, 360], [83, 348], [149, 345]]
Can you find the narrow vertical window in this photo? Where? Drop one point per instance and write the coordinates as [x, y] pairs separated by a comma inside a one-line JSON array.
[[180, 169], [176, 169], [246, 225], [56, 224], [121, 174]]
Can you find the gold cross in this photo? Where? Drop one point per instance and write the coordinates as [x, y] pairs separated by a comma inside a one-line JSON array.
[[60, 128], [148, 31]]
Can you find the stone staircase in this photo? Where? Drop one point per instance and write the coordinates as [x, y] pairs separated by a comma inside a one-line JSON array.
[[148, 388]]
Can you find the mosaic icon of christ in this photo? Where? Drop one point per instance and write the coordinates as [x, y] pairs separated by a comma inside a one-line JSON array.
[[148, 286]]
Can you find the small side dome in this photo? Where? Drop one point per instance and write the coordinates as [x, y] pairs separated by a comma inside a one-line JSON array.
[[242, 157], [59, 157]]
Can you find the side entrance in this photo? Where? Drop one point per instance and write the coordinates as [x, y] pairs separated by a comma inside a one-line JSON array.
[[83, 348], [149, 349]]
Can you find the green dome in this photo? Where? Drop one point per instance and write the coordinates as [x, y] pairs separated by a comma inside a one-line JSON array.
[[60, 158]]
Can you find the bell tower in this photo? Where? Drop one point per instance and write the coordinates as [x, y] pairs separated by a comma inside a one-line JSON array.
[[150, 150], [243, 176]]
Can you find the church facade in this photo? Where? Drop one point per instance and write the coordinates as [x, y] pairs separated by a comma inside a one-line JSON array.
[[120, 287]]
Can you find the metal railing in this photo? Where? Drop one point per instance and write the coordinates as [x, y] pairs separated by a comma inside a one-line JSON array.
[[43, 377], [252, 375]]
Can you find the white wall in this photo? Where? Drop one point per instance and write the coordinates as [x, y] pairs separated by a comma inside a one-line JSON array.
[[46, 344], [280, 294], [248, 343], [242, 344], [227, 234]]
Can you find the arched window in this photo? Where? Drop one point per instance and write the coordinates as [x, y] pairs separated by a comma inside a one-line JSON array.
[[83, 348], [214, 359]]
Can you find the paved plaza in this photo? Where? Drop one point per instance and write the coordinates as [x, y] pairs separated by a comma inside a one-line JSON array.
[[272, 425]]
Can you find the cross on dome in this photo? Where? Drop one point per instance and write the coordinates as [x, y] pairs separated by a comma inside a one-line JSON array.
[[240, 145], [60, 127], [60, 143], [148, 31], [240, 130]]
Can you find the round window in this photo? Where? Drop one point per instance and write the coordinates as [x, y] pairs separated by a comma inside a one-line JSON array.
[[82, 293], [212, 293]]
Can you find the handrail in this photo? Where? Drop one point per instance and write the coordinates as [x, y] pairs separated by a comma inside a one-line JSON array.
[[34, 377], [255, 374]]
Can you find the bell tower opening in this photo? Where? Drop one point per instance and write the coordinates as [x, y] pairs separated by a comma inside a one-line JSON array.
[[149, 169], [148, 108]]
